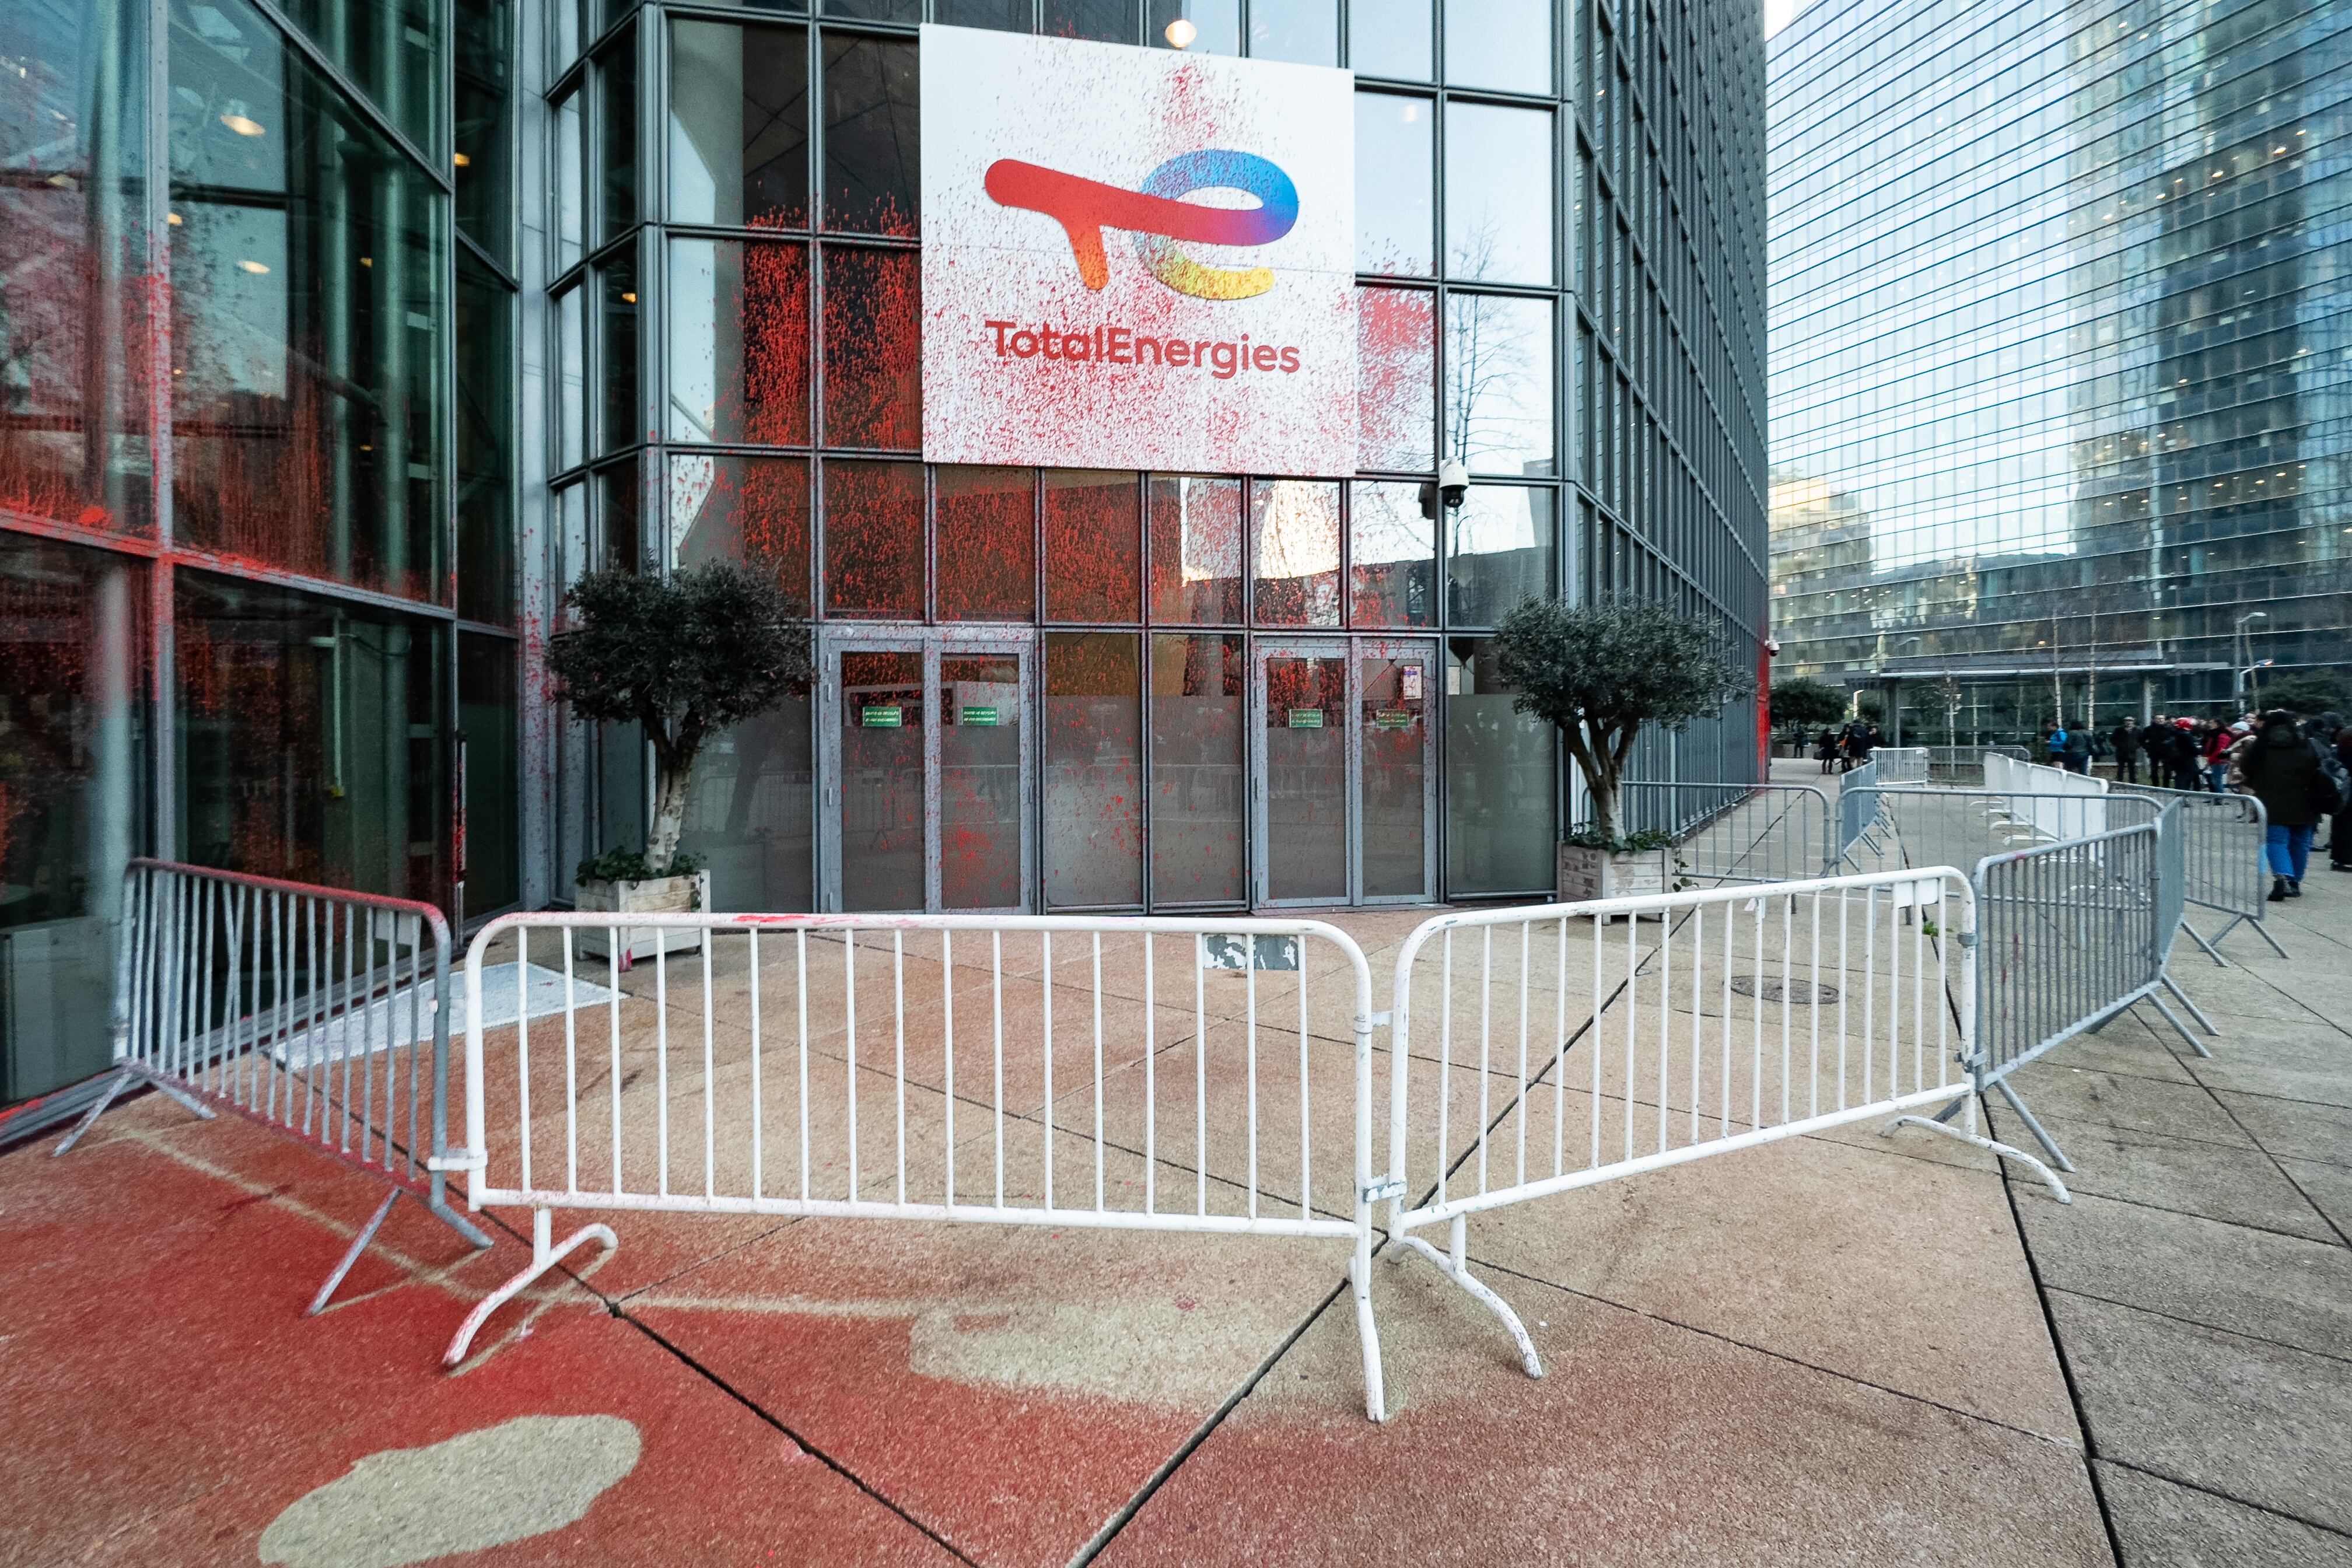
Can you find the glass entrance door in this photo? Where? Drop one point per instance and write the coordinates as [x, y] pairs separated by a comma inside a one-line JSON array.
[[927, 793], [1345, 779]]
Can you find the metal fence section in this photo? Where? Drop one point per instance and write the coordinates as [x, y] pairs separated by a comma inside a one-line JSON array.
[[2221, 846], [1964, 766], [1737, 832], [1860, 815], [1538, 1050], [996, 1069], [1901, 764], [1938, 826], [322, 1014]]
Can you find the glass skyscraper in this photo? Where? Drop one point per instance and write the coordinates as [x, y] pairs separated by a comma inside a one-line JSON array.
[[2061, 352], [338, 337]]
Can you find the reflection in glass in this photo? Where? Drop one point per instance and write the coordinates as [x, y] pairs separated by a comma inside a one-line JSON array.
[[873, 358], [1396, 371], [1306, 776], [73, 721], [881, 781], [1197, 829], [1499, 407], [310, 351], [1504, 44], [738, 125], [1003, 15], [618, 492], [1105, 21], [1499, 552], [979, 782], [871, 139], [488, 716], [876, 10], [570, 194], [486, 417], [1392, 689], [986, 525], [390, 48], [1501, 781], [616, 349], [750, 813], [739, 342], [1093, 769], [1295, 552], [1498, 193], [570, 380], [753, 511], [1390, 37], [1196, 26], [484, 125], [1196, 549], [1305, 32], [616, 112], [1093, 546], [1392, 554], [874, 541], [1396, 171]]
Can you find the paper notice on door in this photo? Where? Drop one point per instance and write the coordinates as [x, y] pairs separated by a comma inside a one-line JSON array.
[[1410, 675]]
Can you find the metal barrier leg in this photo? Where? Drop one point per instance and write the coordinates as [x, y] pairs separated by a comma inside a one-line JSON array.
[[543, 1256], [2263, 931], [1457, 1269], [2194, 1011], [1969, 1135], [2210, 951], [441, 1211], [2178, 1028], [123, 1078], [2040, 1136], [1360, 1282]]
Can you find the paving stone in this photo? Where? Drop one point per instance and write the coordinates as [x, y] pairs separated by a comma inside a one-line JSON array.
[[2161, 1524], [2287, 1060], [2329, 1187], [2298, 1128], [2241, 1186], [2258, 1422], [2063, 1096]]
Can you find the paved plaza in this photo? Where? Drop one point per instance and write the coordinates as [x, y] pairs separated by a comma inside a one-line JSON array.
[[1836, 1349]]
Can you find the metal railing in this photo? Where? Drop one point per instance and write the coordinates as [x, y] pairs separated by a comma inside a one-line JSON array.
[[319, 1012], [994, 1069], [1859, 813], [1901, 764], [1736, 832], [2221, 846]]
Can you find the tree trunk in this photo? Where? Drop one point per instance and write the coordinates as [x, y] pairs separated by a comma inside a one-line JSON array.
[[671, 784]]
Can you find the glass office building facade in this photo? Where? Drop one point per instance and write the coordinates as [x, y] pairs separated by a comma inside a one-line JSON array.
[[2061, 353], [336, 339]]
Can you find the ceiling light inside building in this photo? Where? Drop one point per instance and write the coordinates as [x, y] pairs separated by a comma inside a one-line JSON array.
[[242, 125], [255, 267], [1180, 34]]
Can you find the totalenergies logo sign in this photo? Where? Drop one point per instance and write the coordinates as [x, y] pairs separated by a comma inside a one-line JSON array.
[[1109, 280]]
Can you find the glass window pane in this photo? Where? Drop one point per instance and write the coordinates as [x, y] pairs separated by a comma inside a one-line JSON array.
[[1093, 546], [753, 511], [310, 349], [871, 136], [1295, 552], [617, 494], [490, 717], [1392, 554], [1393, 688], [1501, 781], [391, 49], [1498, 193], [616, 347], [570, 197], [1503, 43], [739, 342], [1306, 776], [485, 126], [1105, 21], [873, 359], [1196, 551], [1396, 171], [616, 112], [987, 531], [876, 10], [1396, 372], [882, 810], [750, 814], [874, 541], [1003, 15], [1201, 26], [981, 821], [1390, 37], [1499, 552], [1093, 769], [570, 381], [1198, 831], [485, 433], [738, 125], [1305, 32], [1499, 405]]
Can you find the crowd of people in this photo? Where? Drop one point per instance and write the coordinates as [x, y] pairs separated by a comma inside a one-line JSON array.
[[1842, 751]]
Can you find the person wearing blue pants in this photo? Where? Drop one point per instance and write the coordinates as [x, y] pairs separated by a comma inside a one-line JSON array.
[[2279, 766]]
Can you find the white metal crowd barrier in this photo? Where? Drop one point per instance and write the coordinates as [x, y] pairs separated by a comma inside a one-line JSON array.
[[2042, 794], [322, 1014], [1901, 764]]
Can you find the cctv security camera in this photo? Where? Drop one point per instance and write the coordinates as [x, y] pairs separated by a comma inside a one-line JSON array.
[[1453, 484]]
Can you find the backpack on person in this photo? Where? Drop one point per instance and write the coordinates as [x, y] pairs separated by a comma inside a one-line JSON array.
[[2331, 786]]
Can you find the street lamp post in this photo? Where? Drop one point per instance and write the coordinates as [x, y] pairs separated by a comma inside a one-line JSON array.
[[2242, 647]]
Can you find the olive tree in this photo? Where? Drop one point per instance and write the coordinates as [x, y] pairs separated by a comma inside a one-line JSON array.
[[681, 657], [1600, 671]]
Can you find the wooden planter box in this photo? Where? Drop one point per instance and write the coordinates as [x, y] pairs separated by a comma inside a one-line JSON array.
[[1586, 874], [658, 896]]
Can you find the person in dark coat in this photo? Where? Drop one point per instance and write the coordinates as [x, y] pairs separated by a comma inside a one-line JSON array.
[[2339, 830], [2281, 768], [2126, 741], [2078, 749]]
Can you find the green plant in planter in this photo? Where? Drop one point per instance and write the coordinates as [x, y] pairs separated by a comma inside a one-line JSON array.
[[1600, 671], [682, 657]]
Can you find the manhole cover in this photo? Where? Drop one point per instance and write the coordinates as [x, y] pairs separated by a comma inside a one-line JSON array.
[[1801, 991]]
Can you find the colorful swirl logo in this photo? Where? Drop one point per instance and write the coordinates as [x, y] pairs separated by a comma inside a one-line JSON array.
[[1158, 219]]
